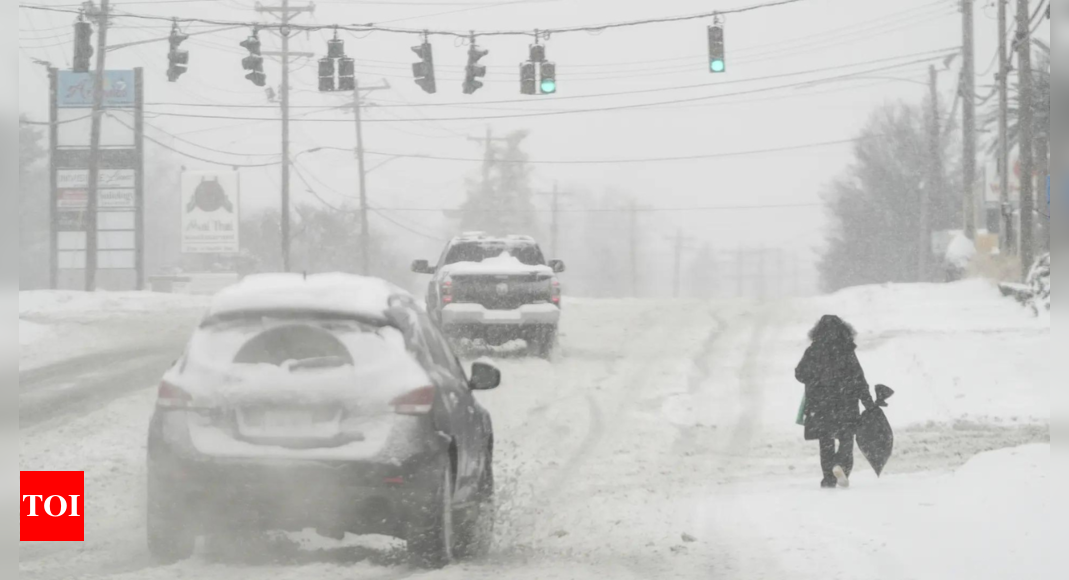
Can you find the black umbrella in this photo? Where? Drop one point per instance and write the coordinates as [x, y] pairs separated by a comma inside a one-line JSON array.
[[874, 435]]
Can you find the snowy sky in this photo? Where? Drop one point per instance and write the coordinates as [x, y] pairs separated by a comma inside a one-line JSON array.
[[814, 34]]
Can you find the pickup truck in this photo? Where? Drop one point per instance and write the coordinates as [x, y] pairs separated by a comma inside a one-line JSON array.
[[495, 289]]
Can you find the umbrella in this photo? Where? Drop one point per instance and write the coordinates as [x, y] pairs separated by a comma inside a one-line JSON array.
[[874, 435]]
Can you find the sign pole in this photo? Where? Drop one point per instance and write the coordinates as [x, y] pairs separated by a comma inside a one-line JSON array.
[[53, 213], [94, 151], [139, 176]]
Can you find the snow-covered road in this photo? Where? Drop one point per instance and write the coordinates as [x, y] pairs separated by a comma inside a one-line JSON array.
[[661, 444]]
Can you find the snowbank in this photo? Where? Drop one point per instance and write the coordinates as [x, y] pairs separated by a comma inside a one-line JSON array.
[[62, 303], [57, 325], [988, 520]]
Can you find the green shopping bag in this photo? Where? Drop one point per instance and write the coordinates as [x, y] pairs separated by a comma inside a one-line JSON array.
[[800, 419]]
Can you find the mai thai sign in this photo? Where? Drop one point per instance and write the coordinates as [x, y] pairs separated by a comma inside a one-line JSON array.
[[76, 89], [210, 212]]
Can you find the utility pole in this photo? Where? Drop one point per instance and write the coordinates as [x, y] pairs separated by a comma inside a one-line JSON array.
[[365, 227], [678, 242], [285, 14], [554, 226], [488, 156], [1005, 211], [94, 150], [968, 94], [935, 179], [1024, 122]]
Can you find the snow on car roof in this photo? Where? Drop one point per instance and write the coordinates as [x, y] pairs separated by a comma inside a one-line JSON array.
[[484, 237], [341, 293]]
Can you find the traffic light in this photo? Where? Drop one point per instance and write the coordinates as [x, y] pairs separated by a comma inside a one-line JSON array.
[[254, 63], [548, 84], [178, 60], [717, 64], [326, 75], [346, 74], [528, 82], [474, 70], [424, 69], [83, 45]]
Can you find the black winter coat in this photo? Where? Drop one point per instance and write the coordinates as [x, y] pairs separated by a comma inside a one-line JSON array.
[[834, 384]]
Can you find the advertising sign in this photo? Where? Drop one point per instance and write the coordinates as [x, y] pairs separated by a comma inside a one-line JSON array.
[[76, 89], [210, 212]]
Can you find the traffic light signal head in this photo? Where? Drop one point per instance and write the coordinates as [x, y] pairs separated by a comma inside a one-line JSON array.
[[538, 53], [548, 84], [83, 45], [346, 74], [528, 82], [474, 70], [252, 44], [254, 63], [424, 69], [717, 64], [326, 74], [177, 60], [335, 48]]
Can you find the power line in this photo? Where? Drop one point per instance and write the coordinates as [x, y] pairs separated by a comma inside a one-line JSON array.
[[371, 27], [637, 160]]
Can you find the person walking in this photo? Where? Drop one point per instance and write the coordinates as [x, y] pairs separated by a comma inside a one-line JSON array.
[[834, 385]]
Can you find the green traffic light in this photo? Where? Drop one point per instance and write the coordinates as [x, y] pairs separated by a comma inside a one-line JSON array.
[[549, 86], [717, 66]]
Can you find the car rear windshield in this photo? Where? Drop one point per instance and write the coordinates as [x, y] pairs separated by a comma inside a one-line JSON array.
[[294, 341], [526, 253]]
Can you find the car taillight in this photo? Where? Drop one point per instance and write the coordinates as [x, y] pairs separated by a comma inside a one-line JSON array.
[[417, 402], [447, 291], [555, 287], [171, 396]]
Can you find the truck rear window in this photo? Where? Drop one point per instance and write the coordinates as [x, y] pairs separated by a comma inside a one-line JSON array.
[[527, 254]]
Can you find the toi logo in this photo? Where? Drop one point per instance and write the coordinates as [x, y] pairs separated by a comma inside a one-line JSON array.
[[53, 506]]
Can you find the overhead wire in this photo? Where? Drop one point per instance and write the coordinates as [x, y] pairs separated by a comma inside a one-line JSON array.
[[545, 32]]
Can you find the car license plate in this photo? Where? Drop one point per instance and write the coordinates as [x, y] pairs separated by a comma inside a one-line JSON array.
[[287, 423], [288, 420]]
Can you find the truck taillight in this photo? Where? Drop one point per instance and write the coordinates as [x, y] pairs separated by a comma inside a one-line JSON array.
[[447, 291], [555, 287]]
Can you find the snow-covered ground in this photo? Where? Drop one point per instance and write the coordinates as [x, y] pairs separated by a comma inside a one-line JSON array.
[[662, 444], [56, 325]]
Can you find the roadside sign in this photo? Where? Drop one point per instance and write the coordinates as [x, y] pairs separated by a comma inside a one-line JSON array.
[[210, 212], [76, 89], [70, 221]]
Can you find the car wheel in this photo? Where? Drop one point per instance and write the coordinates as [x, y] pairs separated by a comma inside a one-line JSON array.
[[169, 533], [475, 533], [431, 541]]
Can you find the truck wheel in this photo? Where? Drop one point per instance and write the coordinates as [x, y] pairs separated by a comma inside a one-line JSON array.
[[169, 533], [542, 342], [431, 539]]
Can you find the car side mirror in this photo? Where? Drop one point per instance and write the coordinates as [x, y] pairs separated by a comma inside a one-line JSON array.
[[422, 267], [557, 266], [484, 377]]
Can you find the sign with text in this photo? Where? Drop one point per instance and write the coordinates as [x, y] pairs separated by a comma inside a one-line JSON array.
[[115, 189], [210, 213], [53, 506], [76, 89]]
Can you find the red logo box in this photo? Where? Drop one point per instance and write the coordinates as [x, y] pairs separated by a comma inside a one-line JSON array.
[[53, 506]]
